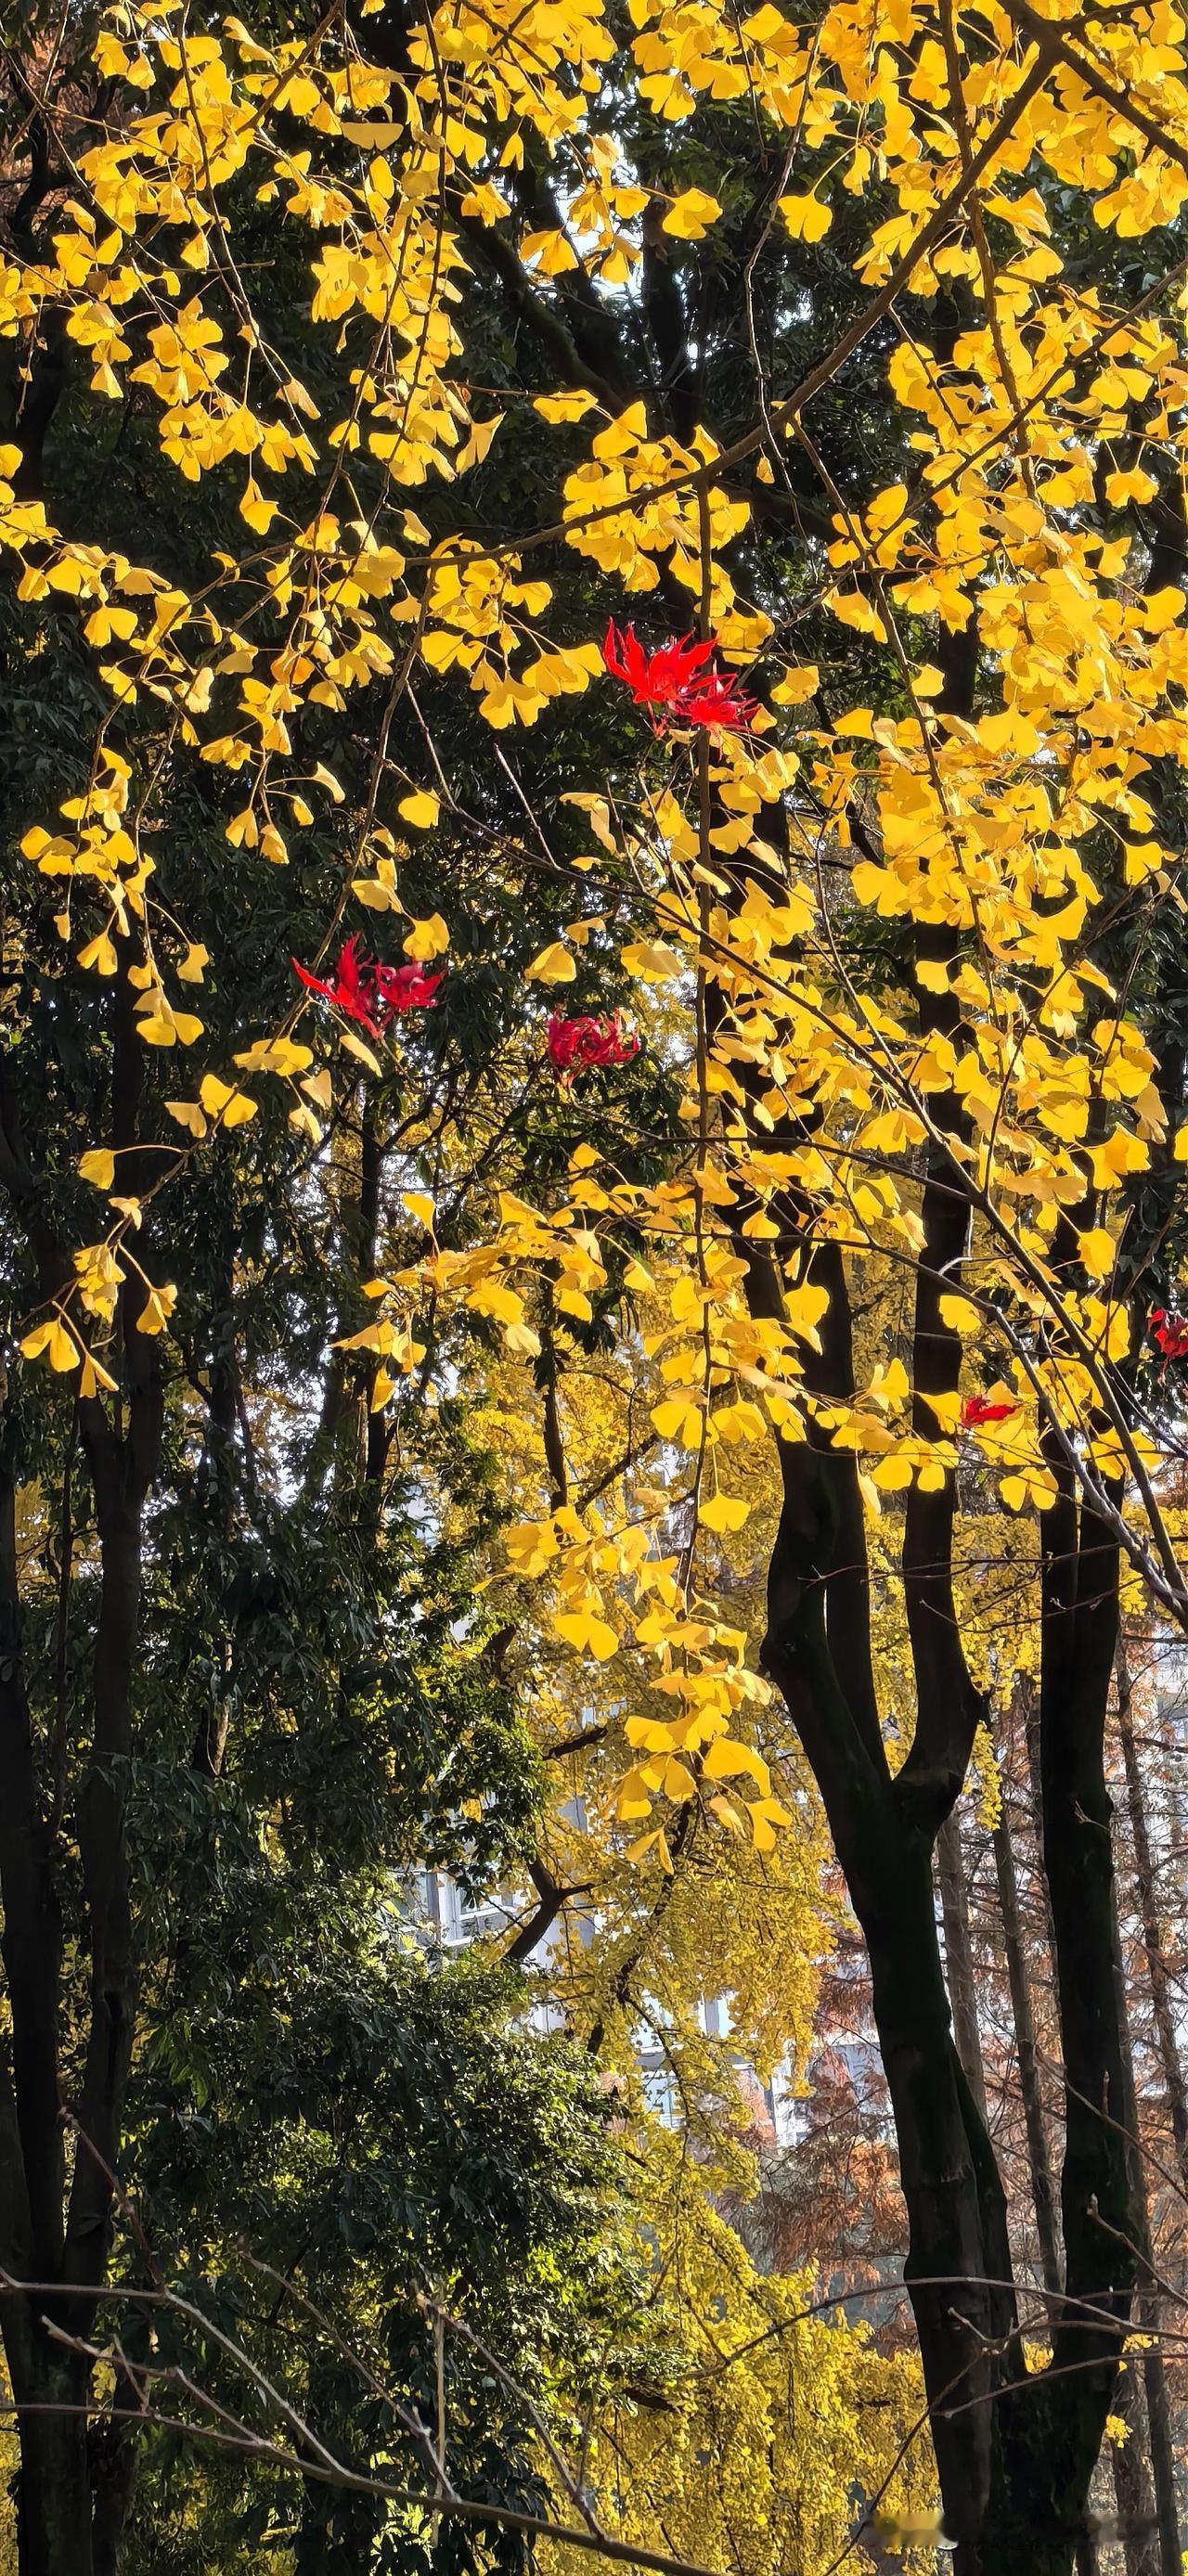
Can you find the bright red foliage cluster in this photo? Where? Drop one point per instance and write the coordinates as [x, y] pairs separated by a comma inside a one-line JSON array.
[[1169, 1333], [674, 684], [978, 1409], [576, 1045], [370, 993]]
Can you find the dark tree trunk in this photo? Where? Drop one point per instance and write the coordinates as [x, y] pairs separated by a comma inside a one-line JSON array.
[[1098, 2198], [1043, 2193], [114, 2456], [939, 2176], [46, 2234], [54, 2481], [1132, 2487], [53, 2489], [959, 1966], [1016, 2451]]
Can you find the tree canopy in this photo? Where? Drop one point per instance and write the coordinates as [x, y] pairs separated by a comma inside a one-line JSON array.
[[593, 652]]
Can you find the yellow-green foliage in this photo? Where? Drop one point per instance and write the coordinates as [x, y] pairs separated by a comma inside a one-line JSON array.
[[783, 2422]]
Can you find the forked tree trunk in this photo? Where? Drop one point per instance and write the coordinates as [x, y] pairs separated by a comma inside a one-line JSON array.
[[1016, 2451]]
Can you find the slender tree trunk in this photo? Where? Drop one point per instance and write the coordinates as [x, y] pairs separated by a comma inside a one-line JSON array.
[[954, 1896], [1031, 1738], [1163, 2472], [1153, 1941], [1132, 2487], [115, 2454], [1166, 2554], [53, 2487], [1043, 2190], [1144, 2547]]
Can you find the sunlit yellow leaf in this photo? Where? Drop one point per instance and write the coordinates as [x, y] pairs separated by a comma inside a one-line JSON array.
[[427, 938], [651, 961], [690, 214], [355, 1046], [807, 218], [590, 1634], [187, 1114], [554, 965], [421, 808], [223, 1103], [726, 1760]]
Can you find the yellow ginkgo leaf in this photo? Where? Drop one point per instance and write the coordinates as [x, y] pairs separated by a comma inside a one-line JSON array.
[[853, 609], [275, 1055], [156, 1310], [187, 1114], [428, 938], [590, 1634], [651, 961], [222, 1102], [94, 1376], [421, 808], [727, 1814], [766, 1815], [257, 509], [63, 1351], [554, 965], [807, 218], [725, 1759], [164, 1027], [59, 1346], [355, 1046], [375, 893], [99, 953], [556, 408], [656, 1841], [689, 215], [98, 1167], [724, 1512]]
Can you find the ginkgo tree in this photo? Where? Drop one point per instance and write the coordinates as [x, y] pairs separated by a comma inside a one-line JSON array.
[[850, 851]]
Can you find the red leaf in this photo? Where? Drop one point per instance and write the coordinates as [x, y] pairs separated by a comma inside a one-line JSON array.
[[979, 1408], [370, 993], [574, 1046], [676, 684]]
